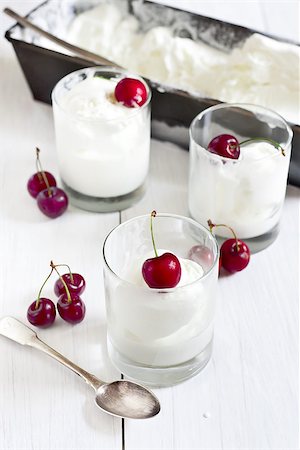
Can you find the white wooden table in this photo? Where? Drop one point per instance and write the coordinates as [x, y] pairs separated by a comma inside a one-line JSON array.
[[246, 398]]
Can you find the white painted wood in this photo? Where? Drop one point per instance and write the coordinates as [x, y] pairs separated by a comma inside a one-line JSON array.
[[246, 13], [248, 391], [277, 17], [43, 405], [282, 18], [250, 388]]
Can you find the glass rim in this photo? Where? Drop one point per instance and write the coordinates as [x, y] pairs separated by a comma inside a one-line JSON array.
[[173, 216], [103, 69], [245, 106]]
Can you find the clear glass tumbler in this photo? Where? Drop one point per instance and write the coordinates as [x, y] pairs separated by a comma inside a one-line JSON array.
[[102, 146], [159, 336], [245, 193]]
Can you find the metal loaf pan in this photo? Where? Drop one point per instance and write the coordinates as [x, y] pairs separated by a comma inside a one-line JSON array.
[[172, 110]]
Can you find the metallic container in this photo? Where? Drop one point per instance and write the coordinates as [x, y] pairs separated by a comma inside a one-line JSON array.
[[172, 109]]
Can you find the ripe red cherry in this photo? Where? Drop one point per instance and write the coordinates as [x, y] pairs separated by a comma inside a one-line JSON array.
[[235, 255], [201, 255], [36, 183], [77, 286], [43, 314], [131, 92], [220, 264], [52, 202], [225, 145], [162, 271], [73, 311]]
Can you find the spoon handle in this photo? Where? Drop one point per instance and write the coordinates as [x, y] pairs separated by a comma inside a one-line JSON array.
[[89, 56], [18, 332]]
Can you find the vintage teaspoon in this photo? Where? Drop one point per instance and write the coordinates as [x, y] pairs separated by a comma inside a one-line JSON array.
[[120, 398]]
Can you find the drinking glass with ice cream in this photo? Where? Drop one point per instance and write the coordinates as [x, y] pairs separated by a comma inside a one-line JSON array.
[[246, 189], [102, 137], [160, 336]]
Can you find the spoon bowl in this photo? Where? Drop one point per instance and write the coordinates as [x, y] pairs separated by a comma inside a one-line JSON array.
[[127, 399]]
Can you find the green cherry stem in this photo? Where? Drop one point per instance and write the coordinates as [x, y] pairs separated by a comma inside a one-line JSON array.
[[41, 172], [66, 265], [62, 280], [213, 225], [40, 291], [274, 143], [153, 214]]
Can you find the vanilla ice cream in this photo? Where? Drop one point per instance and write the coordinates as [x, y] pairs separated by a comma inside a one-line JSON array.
[[102, 146], [160, 336], [263, 71], [246, 194], [161, 328]]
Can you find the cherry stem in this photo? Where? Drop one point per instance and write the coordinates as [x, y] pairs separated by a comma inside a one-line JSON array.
[[38, 164], [274, 143], [213, 225], [41, 172], [62, 280], [40, 291], [66, 265], [153, 214]]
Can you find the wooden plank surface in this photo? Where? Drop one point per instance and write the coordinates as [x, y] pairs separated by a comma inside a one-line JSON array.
[[249, 390], [44, 406], [246, 398]]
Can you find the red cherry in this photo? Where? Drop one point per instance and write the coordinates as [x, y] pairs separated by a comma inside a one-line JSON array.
[[43, 314], [76, 287], [131, 92], [235, 255], [225, 145], [220, 265], [201, 255], [36, 183], [162, 271], [52, 202], [73, 311]]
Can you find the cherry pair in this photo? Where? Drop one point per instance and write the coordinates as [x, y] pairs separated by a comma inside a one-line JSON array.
[[234, 253], [164, 271], [51, 200], [70, 306]]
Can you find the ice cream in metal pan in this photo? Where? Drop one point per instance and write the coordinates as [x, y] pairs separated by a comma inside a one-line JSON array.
[[172, 110], [252, 73]]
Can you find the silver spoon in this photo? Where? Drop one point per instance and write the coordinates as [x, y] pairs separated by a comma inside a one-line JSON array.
[[89, 56], [120, 398]]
